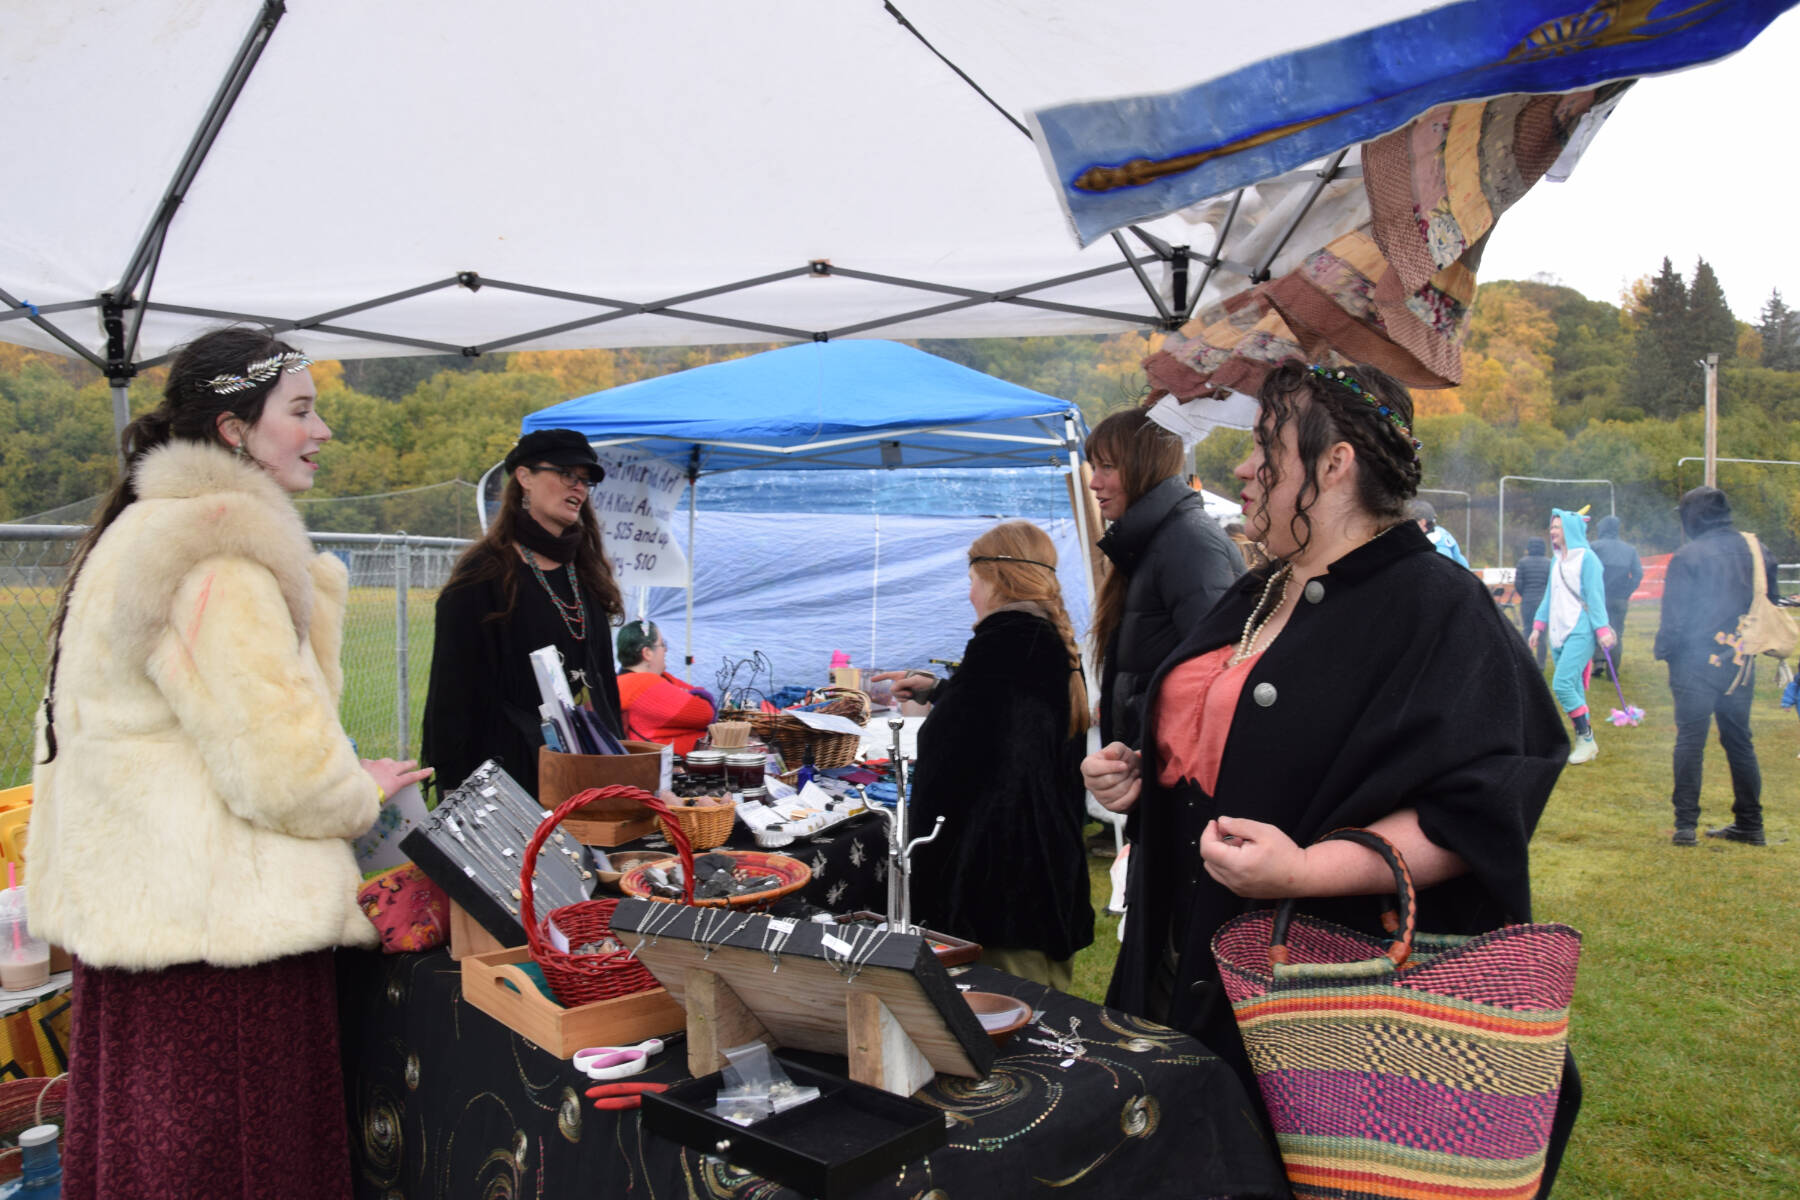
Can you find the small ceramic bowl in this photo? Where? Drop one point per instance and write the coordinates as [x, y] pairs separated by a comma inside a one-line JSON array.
[[1000, 1016]]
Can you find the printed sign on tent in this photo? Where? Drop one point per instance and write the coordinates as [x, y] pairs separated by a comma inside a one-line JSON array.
[[635, 505]]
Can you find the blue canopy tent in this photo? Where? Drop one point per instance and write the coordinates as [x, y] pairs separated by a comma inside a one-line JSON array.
[[822, 406]]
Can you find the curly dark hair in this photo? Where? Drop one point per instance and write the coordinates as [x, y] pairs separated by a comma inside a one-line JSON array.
[[1323, 413]]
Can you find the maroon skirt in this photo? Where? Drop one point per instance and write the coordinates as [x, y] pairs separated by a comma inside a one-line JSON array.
[[202, 1081]]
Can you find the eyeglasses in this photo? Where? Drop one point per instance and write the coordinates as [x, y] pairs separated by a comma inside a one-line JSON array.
[[569, 475]]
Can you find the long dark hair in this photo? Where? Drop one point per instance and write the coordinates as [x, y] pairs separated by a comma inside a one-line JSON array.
[[189, 412], [1144, 454], [496, 557], [1323, 413]]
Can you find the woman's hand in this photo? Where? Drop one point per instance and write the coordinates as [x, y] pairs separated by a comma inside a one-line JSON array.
[[1531, 642], [394, 774], [908, 685], [1606, 638], [1255, 860], [1112, 775]]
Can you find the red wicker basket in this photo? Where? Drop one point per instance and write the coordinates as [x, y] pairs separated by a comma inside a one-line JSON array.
[[578, 979]]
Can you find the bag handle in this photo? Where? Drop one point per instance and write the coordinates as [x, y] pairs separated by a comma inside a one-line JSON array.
[[1760, 584], [1399, 919]]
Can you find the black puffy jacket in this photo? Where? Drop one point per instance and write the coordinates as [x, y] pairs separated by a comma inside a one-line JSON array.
[[1180, 563], [1708, 583]]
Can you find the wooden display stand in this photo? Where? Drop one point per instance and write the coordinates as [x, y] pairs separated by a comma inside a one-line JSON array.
[[494, 983], [881, 999]]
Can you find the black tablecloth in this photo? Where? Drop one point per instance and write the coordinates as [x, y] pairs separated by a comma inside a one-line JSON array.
[[447, 1102]]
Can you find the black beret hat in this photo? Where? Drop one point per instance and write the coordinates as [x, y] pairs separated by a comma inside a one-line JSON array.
[[558, 447]]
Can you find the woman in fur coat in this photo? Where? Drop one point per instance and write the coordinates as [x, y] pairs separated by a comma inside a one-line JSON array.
[[195, 797], [997, 760]]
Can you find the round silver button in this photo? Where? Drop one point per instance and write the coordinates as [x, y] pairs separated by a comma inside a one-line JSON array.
[[1264, 694], [1315, 591]]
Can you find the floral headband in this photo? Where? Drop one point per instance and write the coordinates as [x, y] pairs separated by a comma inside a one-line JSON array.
[[259, 371], [1347, 381]]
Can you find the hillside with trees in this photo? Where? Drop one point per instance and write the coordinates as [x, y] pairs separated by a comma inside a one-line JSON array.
[[1554, 385]]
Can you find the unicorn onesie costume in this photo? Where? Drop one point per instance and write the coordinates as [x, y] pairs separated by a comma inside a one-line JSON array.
[[1573, 615]]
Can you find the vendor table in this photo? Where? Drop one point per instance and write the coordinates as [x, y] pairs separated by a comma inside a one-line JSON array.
[[447, 1102]]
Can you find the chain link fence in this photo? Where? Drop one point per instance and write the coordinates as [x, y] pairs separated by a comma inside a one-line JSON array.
[[394, 582]]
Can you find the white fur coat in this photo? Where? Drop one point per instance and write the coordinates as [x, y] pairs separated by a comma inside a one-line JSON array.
[[203, 789]]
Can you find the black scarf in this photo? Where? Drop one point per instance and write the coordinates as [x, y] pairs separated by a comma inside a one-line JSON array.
[[558, 547]]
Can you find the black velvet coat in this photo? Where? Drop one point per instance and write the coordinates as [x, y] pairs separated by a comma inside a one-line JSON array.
[[1009, 868], [483, 698], [1179, 562], [1395, 684]]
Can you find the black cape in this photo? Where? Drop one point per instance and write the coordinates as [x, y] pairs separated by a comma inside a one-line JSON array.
[[1009, 868], [1395, 684], [483, 698]]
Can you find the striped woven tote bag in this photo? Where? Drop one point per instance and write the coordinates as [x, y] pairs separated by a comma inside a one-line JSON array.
[[1415, 1068]]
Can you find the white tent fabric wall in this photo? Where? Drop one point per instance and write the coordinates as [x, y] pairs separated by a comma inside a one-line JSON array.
[[890, 591], [628, 155]]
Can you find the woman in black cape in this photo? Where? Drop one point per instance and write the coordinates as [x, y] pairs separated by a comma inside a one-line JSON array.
[[1359, 679]]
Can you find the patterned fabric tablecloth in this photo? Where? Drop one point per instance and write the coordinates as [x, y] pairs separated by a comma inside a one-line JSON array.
[[447, 1102]]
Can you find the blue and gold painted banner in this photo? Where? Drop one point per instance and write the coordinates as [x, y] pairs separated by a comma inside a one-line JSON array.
[[1140, 157]]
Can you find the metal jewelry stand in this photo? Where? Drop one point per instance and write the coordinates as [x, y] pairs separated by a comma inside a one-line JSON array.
[[899, 908]]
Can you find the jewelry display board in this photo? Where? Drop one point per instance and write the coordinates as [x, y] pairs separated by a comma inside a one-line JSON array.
[[880, 997]]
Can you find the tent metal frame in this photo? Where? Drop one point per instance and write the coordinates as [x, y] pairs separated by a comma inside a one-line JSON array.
[[122, 309]]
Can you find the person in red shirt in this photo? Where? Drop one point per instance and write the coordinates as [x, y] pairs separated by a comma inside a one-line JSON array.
[[658, 707]]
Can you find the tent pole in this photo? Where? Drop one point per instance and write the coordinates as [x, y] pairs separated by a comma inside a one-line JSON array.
[[1078, 498], [693, 489]]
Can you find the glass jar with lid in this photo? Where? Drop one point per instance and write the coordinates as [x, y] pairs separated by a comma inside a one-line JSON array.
[[744, 769]]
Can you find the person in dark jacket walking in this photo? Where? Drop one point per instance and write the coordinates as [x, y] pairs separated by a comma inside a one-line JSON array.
[[1622, 571], [1708, 587], [1168, 562], [1531, 575]]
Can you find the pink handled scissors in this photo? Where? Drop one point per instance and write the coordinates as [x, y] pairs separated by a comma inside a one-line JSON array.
[[601, 1063]]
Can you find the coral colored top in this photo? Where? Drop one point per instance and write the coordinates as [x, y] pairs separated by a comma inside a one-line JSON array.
[[1193, 716], [661, 708]]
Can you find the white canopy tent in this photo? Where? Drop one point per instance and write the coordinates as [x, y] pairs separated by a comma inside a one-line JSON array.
[[443, 176]]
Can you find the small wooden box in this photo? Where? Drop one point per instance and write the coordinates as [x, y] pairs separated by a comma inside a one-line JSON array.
[[495, 985], [610, 832], [560, 776]]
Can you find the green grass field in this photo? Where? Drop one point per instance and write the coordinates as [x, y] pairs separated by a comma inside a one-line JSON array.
[[1687, 1008]]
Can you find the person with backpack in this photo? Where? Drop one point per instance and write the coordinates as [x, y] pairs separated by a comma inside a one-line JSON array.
[[1709, 587]]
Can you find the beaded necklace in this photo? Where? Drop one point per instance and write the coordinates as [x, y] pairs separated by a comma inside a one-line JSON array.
[[577, 626], [1252, 627]]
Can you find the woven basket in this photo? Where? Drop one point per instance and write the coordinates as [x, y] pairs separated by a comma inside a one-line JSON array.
[[24, 1103], [793, 873], [704, 827], [797, 741], [577, 979]]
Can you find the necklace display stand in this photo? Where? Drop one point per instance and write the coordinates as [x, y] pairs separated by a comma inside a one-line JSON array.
[[880, 997]]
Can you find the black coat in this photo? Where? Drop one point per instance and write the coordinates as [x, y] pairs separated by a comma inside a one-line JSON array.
[[1179, 562], [1706, 589], [1531, 576], [1623, 570], [1395, 684], [1009, 868], [483, 698]]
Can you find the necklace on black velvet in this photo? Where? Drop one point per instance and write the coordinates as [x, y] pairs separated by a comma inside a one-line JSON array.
[[574, 615]]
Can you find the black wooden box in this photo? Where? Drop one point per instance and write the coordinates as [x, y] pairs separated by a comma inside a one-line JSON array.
[[850, 1136]]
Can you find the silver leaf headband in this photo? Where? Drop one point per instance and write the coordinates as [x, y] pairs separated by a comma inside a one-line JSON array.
[[259, 371]]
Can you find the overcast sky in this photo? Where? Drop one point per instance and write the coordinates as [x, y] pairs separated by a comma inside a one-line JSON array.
[[1703, 163]]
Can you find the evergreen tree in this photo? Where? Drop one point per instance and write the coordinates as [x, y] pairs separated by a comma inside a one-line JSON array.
[[1711, 327], [1662, 381], [1780, 328]]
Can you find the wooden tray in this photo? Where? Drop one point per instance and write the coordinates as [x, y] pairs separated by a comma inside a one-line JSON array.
[[494, 984]]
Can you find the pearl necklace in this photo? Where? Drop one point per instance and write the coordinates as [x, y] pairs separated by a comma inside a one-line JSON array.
[[1252, 627]]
